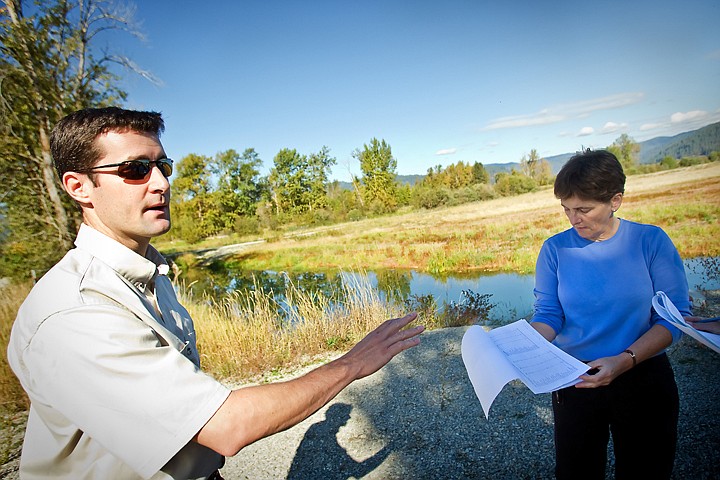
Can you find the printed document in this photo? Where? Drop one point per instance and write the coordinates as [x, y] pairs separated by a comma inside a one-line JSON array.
[[666, 309], [515, 351]]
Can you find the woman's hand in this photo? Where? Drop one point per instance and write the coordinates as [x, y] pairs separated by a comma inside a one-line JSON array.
[[605, 370]]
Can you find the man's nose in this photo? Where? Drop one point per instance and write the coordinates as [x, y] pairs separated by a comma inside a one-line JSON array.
[[158, 181]]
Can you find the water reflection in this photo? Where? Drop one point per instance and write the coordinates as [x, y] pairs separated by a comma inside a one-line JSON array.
[[511, 294]]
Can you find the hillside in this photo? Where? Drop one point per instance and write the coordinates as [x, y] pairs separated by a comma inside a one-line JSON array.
[[696, 142]]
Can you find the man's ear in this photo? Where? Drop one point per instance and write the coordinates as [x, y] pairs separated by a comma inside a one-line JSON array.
[[78, 186]]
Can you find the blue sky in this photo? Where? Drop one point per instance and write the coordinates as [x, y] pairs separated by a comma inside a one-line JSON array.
[[440, 81]]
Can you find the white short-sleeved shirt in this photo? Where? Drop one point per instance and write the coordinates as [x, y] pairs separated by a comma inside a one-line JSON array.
[[113, 377]]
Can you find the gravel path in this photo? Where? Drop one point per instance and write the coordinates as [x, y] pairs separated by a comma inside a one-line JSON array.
[[418, 418]]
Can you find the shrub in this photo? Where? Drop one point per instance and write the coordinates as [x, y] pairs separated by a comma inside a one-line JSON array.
[[514, 184], [355, 215], [474, 308], [669, 162], [425, 197], [245, 225]]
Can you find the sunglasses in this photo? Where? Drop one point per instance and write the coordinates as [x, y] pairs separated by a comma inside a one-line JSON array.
[[138, 169]]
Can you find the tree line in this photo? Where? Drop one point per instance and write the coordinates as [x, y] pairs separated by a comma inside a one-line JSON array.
[[52, 63], [226, 195]]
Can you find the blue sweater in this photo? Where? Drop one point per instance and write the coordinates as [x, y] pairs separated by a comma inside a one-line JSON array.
[[597, 296]]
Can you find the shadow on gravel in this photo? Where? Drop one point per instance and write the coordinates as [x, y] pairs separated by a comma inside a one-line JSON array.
[[321, 456], [418, 418]]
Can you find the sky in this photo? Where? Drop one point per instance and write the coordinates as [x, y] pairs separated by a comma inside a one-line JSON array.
[[440, 81]]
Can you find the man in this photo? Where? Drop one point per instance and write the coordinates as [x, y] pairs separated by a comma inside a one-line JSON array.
[[106, 353]]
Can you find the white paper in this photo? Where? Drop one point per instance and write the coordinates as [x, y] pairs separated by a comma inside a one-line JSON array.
[[667, 310], [515, 351]]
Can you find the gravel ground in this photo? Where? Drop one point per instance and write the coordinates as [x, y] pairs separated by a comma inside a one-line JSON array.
[[419, 418]]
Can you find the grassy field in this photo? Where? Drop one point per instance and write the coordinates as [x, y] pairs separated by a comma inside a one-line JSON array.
[[501, 235], [242, 336]]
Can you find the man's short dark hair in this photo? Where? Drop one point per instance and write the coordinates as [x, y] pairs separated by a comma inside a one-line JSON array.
[[72, 141], [590, 175]]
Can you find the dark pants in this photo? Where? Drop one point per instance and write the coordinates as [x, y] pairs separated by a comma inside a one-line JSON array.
[[640, 409]]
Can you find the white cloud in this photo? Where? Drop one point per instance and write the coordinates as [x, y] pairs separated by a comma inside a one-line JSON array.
[[715, 55], [680, 117], [585, 131], [607, 103], [612, 127], [681, 122], [650, 126], [562, 112], [540, 118], [446, 151]]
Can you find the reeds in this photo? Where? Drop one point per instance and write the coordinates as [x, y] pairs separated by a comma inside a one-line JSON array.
[[249, 333], [12, 396], [246, 334]]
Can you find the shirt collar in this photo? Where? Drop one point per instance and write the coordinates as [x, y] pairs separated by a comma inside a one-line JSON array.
[[138, 270]]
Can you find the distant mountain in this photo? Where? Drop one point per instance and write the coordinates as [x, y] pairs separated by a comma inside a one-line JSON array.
[[409, 179], [696, 142], [401, 179]]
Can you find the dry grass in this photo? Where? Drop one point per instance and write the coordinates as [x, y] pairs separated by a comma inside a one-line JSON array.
[[12, 396], [503, 234], [243, 335]]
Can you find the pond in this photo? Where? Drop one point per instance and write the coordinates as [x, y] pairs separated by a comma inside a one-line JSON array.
[[511, 294]]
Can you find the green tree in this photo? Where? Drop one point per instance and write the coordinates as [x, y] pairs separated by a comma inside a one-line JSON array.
[[480, 174], [191, 199], [536, 168], [457, 175], [238, 186], [379, 171], [626, 150], [192, 178], [298, 183], [287, 180], [342, 202], [318, 171], [48, 68]]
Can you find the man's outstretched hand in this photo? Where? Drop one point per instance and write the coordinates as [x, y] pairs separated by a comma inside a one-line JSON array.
[[379, 346], [251, 413]]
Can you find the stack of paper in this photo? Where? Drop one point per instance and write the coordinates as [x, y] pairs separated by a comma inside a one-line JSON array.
[[666, 309], [515, 351]]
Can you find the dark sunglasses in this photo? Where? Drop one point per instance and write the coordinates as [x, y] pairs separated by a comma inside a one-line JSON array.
[[138, 169]]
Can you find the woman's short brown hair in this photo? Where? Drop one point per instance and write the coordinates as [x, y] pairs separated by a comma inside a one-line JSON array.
[[590, 175]]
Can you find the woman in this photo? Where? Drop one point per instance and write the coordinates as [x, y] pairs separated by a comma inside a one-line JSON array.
[[593, 299]]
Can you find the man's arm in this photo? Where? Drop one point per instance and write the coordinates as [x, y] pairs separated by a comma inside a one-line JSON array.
[[252, 413]]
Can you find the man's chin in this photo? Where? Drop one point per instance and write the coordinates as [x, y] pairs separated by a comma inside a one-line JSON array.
[[161, 228]]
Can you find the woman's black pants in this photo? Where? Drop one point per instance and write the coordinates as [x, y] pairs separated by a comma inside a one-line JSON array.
[[639, 408]]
